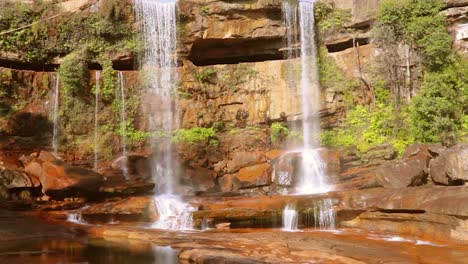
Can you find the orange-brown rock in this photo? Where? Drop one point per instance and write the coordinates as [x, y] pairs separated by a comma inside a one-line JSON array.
[[58, 178], [254, 176]]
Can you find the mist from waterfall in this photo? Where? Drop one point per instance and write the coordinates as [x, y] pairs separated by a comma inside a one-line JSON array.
[[123, 119], [158, 24], [96, 121], [55, 132]]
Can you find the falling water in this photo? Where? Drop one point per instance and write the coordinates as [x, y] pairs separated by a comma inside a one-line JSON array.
[[96, 123], [312, 178], [324, 215], [56, 114], [76, 218], [313, 175], [123, 119], [290, 218], [173, 213], [158, 25]]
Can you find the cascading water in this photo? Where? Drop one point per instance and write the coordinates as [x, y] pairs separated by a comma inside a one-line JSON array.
[[56, 114], [123, 119], [158, 25], [290, 218], [313, 177], [96, 115]]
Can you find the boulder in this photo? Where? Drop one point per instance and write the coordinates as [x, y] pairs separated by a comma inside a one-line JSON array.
[[126, 188], [17, 179], [451, 166], [59, 179], [243, 159], [379, 154], [411, 171], [254, 176]]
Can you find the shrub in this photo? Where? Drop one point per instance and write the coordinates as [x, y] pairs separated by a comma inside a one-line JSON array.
[[194, 135]]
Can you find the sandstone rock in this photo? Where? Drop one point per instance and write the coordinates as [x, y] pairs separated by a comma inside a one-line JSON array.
[[126, 188], [411, 171], [229, 183], [451, 166], [274, 154], [200, 179], [58, 178], [127, 209], [254, 176], [243, 159]]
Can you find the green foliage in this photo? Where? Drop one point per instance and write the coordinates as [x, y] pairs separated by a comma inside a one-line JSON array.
[[440, 107], [329, 18], [368, 126], [109, 30], [331, 76], [131, 134], [72, 71], [194, 135], [419, 22], [205, 75], [278, 132]]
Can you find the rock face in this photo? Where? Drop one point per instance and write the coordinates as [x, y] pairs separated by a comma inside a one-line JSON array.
[[451, 166], [220, 32]]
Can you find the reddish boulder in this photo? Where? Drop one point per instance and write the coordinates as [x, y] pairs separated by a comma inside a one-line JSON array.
[[59, 179], [254, 176], [244, 159]]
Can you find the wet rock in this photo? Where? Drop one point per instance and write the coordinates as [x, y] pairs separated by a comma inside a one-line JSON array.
[[201, 179], [121, 188], [127, 209], [451, 166]]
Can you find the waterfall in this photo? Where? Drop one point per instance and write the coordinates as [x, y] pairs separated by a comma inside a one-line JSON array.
[[313, 169], [158, 25], [324, 215], [123, 119], [56, 114], [96, 115], [312, 177], [290, 218]]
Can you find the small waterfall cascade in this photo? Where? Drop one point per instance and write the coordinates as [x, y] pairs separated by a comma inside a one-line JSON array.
[[76, 218], [290, 218], [173, 213], [312, 177], [96, 121], [123, 119], [55, 132], [158, 25], [324, 215]]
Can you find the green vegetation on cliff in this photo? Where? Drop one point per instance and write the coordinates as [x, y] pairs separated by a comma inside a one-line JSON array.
[[436, 108]]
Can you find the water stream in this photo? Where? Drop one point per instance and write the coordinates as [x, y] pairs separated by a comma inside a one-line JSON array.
[[96, 121], [158, 26]]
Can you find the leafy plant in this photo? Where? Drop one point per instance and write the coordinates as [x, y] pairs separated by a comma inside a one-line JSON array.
[[194, 135]]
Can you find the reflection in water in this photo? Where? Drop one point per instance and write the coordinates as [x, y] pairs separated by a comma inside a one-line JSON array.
[[50, 251]]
